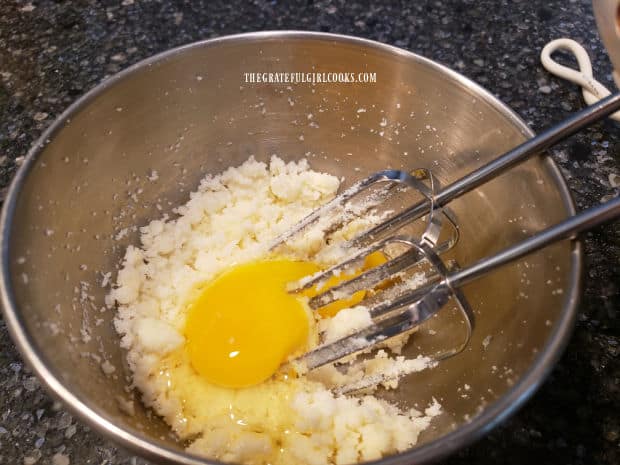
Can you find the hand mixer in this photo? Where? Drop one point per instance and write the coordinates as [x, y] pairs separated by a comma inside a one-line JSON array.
[[400, 313]]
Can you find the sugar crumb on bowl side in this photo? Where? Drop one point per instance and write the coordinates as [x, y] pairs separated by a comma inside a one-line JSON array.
[[232, 219]]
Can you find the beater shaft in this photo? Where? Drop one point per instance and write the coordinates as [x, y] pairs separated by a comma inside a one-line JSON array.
[[431, 298], [533, 146]]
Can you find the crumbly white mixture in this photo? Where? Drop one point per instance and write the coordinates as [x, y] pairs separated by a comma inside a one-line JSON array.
[[233, 218]]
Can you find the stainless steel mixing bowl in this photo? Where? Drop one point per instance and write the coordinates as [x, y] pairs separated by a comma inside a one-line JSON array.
[[75, 204]]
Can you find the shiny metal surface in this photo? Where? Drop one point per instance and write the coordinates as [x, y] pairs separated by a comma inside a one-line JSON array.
[[395, 314], [416, 305], [493, 168], [394, 317], [74, 205], [567, 229]]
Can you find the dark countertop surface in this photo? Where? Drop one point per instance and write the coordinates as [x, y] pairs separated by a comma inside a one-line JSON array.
[[53, 51]]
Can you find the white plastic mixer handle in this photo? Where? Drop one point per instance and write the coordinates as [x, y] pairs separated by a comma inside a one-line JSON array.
[[607, 14]]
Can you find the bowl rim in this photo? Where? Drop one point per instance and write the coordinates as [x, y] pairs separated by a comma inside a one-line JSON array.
[[465, 434]]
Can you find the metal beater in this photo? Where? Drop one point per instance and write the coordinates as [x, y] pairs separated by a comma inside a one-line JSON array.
[[405, 311]]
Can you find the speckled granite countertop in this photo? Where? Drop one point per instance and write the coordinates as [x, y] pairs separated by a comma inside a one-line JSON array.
[[51, 52]]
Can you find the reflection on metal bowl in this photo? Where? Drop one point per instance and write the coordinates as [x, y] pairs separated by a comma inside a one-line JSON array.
[[188, 112]]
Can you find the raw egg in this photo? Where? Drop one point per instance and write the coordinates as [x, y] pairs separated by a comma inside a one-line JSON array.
[[372, 260], [245, 323]]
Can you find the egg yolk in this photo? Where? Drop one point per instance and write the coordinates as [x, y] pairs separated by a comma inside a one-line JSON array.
[[245, 323], [372, 260]]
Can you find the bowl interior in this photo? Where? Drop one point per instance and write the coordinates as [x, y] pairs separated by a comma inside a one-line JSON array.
[[188, 113]]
